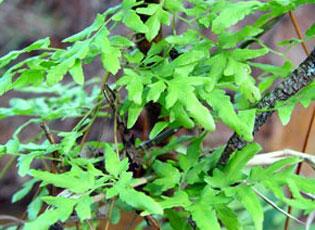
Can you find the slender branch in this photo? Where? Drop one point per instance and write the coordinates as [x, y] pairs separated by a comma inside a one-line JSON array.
[[12, 218], [309, 221], [272, 157], [298, 79], [158, 139], [55, 154], [110, 214], [272, 204], [95, 110], [7, 166], [48, 134], [152, 222]]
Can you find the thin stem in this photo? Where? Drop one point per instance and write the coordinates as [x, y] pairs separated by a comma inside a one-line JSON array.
[[272, 204], [109, 214], [7, 167], [96, 108], [298, 31]]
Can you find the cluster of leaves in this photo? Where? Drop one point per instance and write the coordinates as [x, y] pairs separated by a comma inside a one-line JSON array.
[[191, 91]]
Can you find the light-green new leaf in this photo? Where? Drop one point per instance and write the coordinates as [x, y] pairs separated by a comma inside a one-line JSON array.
[[233, 13], [204, 216], [77, 72], [97, 24], [234, 167], [252, 204], [140, 201], [168, 177], [83, 208], [77, 180], [113, 165]]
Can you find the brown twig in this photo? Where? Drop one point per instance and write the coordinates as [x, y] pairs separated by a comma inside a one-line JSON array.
[[109, 214], [12, 218], [53, 165], [309, 130], [272, 157], [152, 222]]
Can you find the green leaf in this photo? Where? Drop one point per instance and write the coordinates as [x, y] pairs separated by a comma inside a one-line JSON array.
[[157, 128], [77, 180], [39, 44], [83, 208], [233, 13], [158, 16], [285, 112], [178, 219], [279, 71], [228, 217], [168, 177], [12, 146], [6, 59], [246, 54], [29, 77], [187, 37], [198, 111], [243, 78], [133, 21], [174, 5], [116, 215], [120, 41], [229, 40], [64, 208], [133, 114], [68, 141], [24, 162], [222, 105], [35, 206], [180, 199], [134, 85], [234, 167], [153, 24], [44, 221], [204, 216], [155, 91], [193, 152], [97, 24], [218, 65], [24, 191], [310, 32], [77, 72], [5, 83], [149, 10], [113, 165], [111, 60], [251, 202], [181, 116], [56, 73], [140, 201]]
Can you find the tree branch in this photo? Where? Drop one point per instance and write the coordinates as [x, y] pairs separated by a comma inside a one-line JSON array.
[[299, 78], [270, 158]]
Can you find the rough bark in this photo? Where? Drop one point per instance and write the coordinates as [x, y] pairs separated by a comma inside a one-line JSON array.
[[298, 79]]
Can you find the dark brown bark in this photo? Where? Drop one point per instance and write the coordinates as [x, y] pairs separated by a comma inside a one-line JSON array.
[[299, 78]]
